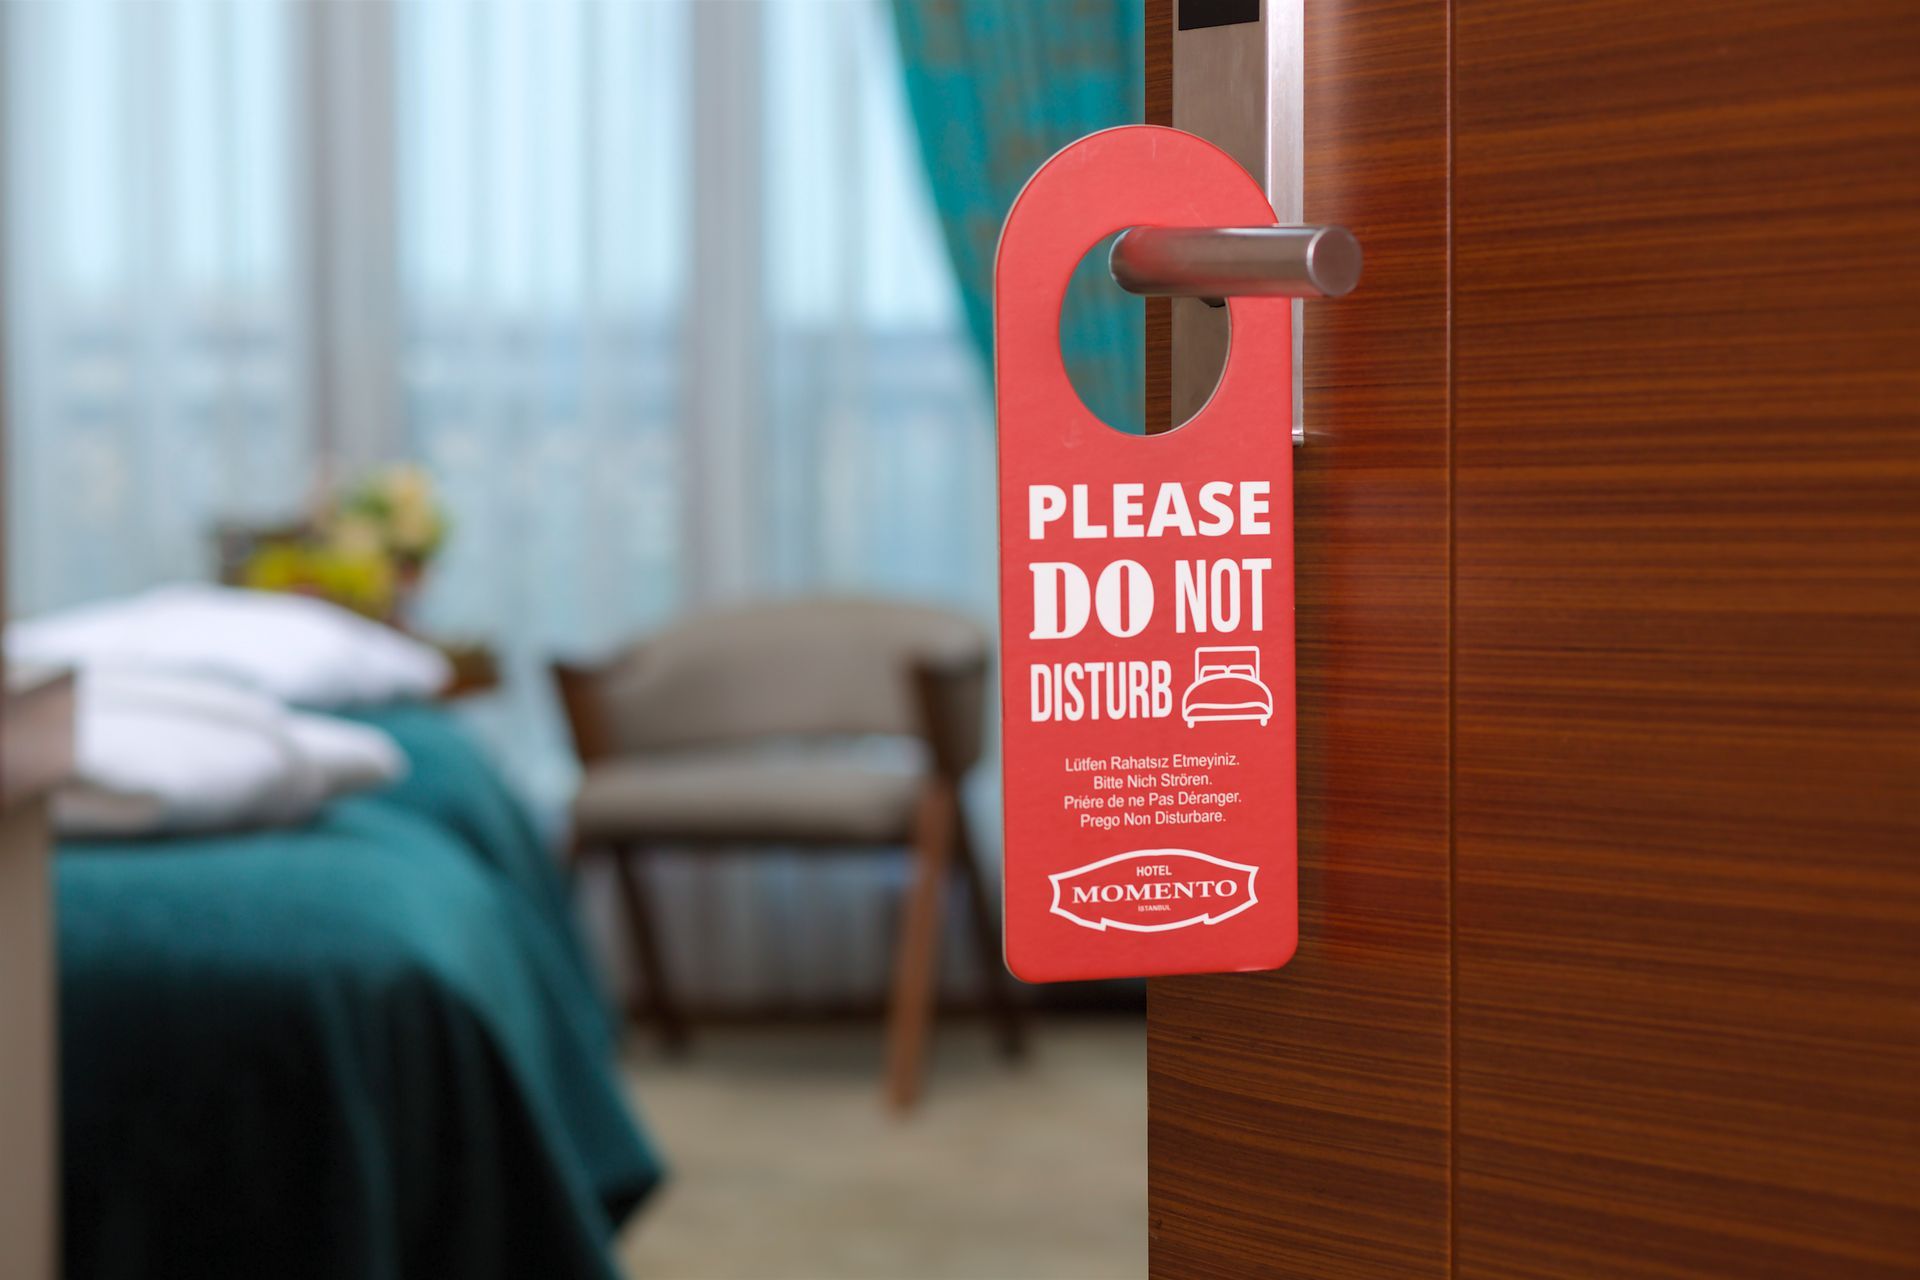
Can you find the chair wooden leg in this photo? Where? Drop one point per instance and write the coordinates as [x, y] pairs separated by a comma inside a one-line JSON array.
[[649, 968], [910, 1016], [1001, 1004]]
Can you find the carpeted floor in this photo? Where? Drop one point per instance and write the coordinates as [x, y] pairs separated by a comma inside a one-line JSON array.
[[786, 1166]]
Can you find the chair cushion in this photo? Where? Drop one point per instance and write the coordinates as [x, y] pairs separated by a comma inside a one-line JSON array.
[[749, 797]]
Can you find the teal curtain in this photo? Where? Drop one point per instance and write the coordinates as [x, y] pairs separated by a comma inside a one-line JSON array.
[[996, 87]]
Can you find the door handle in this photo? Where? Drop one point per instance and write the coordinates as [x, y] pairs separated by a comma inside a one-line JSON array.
[[1216, 263]]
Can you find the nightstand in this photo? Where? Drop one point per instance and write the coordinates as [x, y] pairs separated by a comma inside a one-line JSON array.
[[476, 669]]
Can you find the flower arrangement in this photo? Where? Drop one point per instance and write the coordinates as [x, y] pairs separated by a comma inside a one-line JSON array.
[[394, 509], [367, 549]]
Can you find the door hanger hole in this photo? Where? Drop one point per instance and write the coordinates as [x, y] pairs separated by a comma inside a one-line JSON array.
[[1103, 331]]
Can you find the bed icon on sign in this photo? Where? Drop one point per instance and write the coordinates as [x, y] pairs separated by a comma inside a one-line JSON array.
[[1226, 686]]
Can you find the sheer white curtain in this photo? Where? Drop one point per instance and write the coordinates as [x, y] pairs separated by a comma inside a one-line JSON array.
[[877, 436], [680, 330], [157, 280], [543, 215], [655, 289]]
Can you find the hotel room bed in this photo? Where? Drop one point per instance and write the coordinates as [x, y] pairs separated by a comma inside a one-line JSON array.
[[368, 1047]]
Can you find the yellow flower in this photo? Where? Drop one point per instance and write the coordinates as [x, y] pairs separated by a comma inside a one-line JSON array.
[[399, 502], [362, 579], [354, 534]]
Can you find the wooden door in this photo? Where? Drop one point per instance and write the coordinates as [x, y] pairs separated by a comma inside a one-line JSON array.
[[1609, 626]]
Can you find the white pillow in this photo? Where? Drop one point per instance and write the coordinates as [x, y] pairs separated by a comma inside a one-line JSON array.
[[349, 756], [175, 754], [294, 648]]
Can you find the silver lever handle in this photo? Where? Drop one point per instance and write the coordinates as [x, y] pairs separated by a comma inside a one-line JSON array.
[[1222, 262]]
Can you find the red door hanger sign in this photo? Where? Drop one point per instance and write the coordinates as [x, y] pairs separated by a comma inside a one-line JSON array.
[[1146, 605]]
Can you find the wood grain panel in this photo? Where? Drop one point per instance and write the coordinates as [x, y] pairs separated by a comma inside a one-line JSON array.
[[1159, 110], [1687, 558], [1298, 1120]]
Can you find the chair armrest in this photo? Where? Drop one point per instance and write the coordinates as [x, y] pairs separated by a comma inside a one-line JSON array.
[[589, 720]]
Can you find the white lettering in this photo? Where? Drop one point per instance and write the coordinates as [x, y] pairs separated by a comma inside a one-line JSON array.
[[1076, 691], [1253, 506], [1213, 501], [1209, 594], [1116, 510], [1126, 510], [1128, 617], [1061, 600], [1082, 527], [1170, 511], [1045, 504]]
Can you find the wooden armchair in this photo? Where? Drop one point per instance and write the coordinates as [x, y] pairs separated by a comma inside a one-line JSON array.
[[674, 733]]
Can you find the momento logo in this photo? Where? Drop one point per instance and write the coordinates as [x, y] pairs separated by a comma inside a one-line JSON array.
[[1153, 890]]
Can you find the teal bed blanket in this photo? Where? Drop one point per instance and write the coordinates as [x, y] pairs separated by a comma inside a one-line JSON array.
[[369, 1048]]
